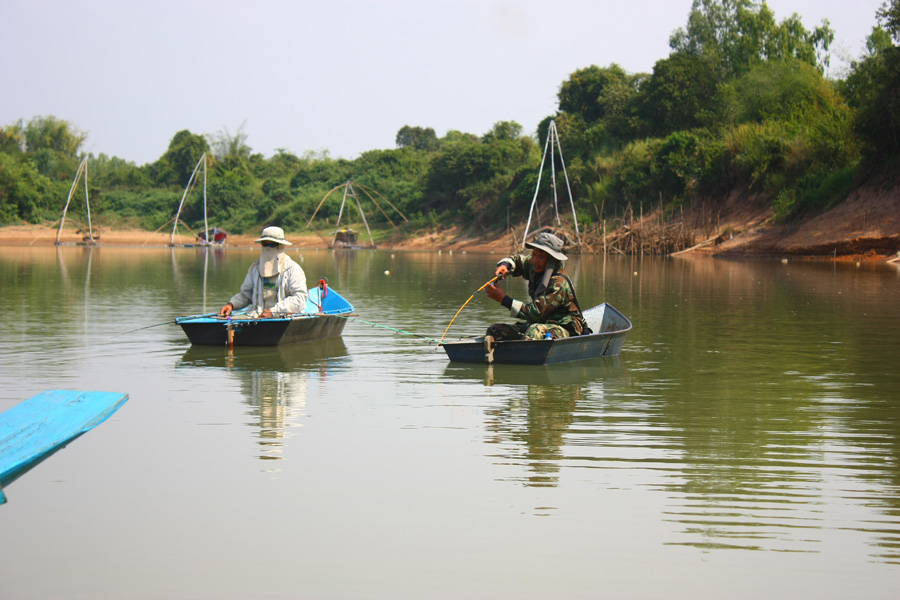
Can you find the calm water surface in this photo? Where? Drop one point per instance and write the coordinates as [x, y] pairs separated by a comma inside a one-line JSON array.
[[745, 444]]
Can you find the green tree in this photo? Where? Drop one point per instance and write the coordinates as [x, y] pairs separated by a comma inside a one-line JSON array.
[[889, 17], [774, 90], [467, 174], [231, 150], [738, 34], [873, 88], [50, 133], [419, 138], [584, 93], [679, 95], [24, 192], [574, 134], [176, 165], [110, 172], [503, 131], [12, 139]]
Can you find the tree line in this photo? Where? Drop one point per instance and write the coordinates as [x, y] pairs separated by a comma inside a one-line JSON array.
[[741, 102]]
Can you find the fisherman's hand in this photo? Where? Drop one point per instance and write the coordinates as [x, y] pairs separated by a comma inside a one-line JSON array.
[[266, 314], [495, 292], [226, 310], [501, 271]]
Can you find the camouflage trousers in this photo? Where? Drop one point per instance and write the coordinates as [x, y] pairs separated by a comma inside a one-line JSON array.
[[525, 331]]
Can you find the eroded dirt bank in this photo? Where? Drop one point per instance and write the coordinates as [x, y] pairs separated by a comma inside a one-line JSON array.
[[864, 227]]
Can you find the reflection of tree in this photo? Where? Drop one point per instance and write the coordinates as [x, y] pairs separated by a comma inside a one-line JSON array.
[[761, 465], [869, 431], [763, 419], [531, 429]]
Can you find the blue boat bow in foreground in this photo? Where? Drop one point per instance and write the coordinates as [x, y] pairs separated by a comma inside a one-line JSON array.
[[35, 429]]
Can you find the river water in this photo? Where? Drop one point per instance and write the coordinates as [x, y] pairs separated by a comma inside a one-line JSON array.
[[745, 444]]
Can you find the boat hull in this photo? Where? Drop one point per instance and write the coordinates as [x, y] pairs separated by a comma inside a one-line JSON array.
[[610, 329], [214, 331], [325, 317], [37, 428]]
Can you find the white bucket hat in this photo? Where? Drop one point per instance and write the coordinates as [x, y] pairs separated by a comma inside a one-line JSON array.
[[550, 244], [273, 234]]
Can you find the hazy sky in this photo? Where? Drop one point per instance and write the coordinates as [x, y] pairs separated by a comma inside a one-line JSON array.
[[336, 75]]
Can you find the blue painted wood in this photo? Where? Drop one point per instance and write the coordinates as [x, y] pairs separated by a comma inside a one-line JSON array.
[[36, 428]]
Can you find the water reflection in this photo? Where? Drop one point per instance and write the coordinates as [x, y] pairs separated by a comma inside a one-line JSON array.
[[584, 372], [530, 430], [744, 458], [757, 425], [534, 425], [274, 383]]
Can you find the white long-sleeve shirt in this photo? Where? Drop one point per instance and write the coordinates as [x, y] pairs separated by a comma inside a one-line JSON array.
[[290, 287]]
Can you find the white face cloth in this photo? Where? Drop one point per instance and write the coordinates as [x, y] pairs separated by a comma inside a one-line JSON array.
[[269, 260]]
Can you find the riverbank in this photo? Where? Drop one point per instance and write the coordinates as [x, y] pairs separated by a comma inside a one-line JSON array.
[[42, 235], [865, 227]]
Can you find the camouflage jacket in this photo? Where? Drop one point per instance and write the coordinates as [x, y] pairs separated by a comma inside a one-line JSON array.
[[554, 305]]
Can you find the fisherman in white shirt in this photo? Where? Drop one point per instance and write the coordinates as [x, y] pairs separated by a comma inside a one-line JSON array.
[[275, 285]]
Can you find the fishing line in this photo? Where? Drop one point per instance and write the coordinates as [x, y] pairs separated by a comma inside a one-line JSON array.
[[463, 306], [424, 337], [173, 322]]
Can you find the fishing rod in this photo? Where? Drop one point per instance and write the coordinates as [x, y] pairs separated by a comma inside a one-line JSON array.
[[463, 306], [161, 324]]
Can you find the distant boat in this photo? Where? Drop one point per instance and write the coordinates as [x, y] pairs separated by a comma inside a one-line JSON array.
[[324, 317], [216, 235], [346, 238], [609, 328], [35, 429]]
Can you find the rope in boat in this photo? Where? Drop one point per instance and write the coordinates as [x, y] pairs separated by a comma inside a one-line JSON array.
[[440, 341]]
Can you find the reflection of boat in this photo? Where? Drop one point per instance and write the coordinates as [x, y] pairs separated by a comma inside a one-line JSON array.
[[324, 317], [284, 358], [35, 429], [609, 326], [274, 383], [570, 373]]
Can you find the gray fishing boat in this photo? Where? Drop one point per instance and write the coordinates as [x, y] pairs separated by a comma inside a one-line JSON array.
[[608, 325]]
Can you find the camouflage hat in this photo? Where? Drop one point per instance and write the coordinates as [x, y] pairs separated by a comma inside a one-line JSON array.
[[550, 244]]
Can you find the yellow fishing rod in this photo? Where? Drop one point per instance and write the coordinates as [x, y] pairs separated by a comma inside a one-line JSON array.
[[463, 306]]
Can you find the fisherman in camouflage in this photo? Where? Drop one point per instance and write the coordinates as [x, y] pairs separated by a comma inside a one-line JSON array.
[[553, 309]]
